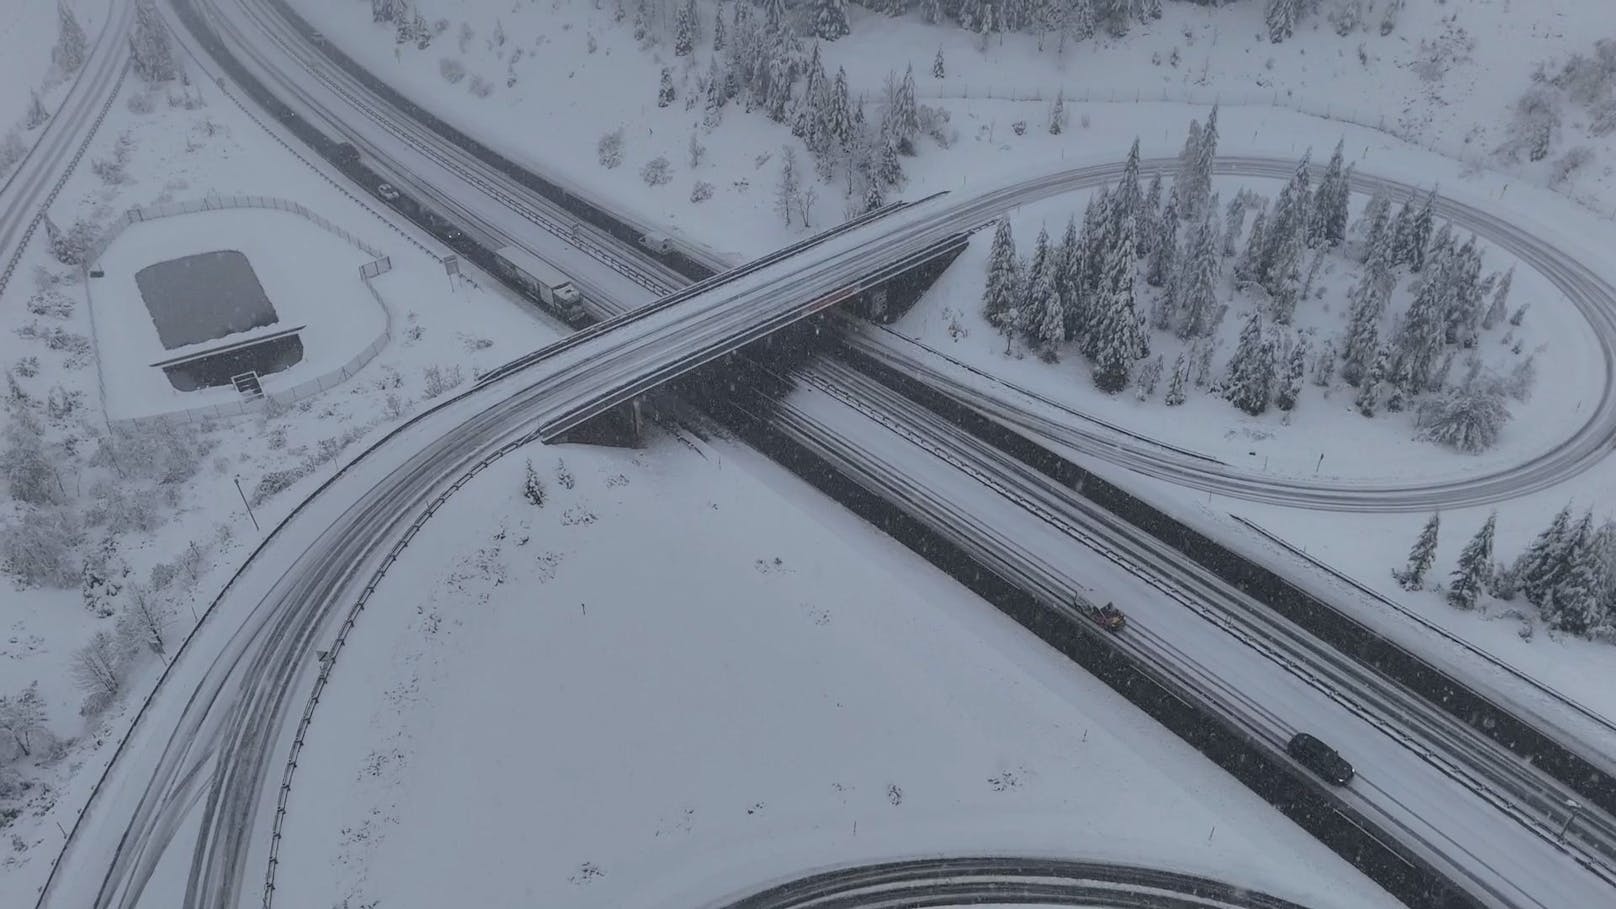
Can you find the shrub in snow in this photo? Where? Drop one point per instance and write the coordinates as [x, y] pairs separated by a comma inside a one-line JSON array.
[[1468, 419], [1569, 163], [12, 150], [610, 149], [22, 719], [439, 380], [451, 70], [71, 45], [481, 87], [1537, 116], [934, 122], [533, 487], [1388, 22], [72, 245], [1019, 127], [37, 548], [701, 192], [30, 476], [27, 367], [36, 112], [657, 171]]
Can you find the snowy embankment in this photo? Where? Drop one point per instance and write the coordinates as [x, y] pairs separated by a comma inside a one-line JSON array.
[[686, 674]]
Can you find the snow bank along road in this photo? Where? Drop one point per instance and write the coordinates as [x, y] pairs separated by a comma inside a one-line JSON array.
[[243, 696], [971, 880], [31, 188]]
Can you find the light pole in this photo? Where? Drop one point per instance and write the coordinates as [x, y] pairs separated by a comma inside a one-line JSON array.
[[248, 504]]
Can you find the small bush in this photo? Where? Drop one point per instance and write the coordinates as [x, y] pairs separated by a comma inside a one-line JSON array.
[[657, 172], [12, 150], [701, 192], [142, 103], [38, 548], [440, 380], [610, 149], [481, 87], [451, 70]]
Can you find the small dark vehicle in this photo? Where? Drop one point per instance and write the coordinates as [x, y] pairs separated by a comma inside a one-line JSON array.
[[387, 192], [1110, 618], [1320, 758]]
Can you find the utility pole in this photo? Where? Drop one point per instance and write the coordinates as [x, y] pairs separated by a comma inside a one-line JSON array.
[[248, 504]]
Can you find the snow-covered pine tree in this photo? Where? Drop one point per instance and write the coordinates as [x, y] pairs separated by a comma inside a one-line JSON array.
[[1475, 566], [1578, 600], [720, 38], [872, 195], [1281, 18], [533, 487], [684, 29], [1188, 158], [665, 90], [1164, 252], [1057, 113], [1402, 229], [1538, 569], [1148, 218], [71, 45], [1329, 215], [1286, 237], [806, 112], [713, 109], [1049, 317], [1375, 220], [1118, 338], [1249, 381], [1234, 221], [1068, 275], [838, 114], [1419, 337], [1077, 20], [1037, 268], [1003, 290], [1094, 245], [932, 12], [937, 69], [1249, 265], [1420, 557], [1497, 311], [1313, 270], [905, 121], [153, 56], [789, 187], [887, 167], [829, 19], [1127, 199], [1369, 388], [1147, 379], [1206, 153], [1419, 233], [1197, 285], [1175, 386], [1290, 381]]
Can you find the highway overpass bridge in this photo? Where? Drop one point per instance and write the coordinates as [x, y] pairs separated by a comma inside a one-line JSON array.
[[877, 264]]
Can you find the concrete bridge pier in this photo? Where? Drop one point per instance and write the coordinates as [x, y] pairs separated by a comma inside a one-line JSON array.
[[621, 427]]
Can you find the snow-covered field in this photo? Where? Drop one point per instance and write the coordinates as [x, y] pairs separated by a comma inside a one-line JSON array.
[[687, 674]]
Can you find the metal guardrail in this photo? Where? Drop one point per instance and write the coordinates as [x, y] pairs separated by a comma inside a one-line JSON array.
[[330, 659]]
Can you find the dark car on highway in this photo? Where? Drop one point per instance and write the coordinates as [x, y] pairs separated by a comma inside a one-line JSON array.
[[1320, 758]]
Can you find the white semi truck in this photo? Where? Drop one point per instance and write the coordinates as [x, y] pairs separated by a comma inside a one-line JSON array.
[[541, 280]]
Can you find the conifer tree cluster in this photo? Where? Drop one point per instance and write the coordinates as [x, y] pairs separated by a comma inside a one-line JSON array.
[[150, 49], [1568, 572], [71, 45]]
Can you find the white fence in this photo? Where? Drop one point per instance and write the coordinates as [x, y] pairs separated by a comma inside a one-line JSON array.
[[214, 202], [236, 407]]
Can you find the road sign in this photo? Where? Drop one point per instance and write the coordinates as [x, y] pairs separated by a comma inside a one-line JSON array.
[[451, 265]]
